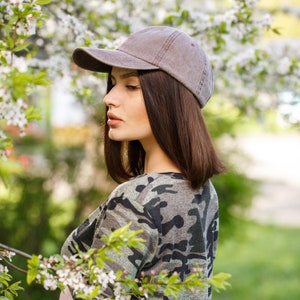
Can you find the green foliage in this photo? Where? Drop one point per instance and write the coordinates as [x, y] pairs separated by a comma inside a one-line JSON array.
[[90, 267], [8, 168], [28, 213], [43, 2], [219, 281], [123, 237], [16, 28], [8, 291], [33, 268], [263, 260], [235, 191], [18, 22], [86, 275], [33, 113], [5, 143], [20, 84]]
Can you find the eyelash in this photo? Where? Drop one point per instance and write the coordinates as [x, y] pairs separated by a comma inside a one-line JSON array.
[[132, 87]]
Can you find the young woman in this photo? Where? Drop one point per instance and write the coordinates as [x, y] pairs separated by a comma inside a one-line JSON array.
[[158, 148]]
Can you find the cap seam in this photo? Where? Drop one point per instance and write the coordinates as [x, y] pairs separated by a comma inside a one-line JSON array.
[[201, 83], [144, 60], [164, 48]]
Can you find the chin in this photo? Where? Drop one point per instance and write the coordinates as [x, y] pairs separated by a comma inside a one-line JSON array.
[[117, 138]]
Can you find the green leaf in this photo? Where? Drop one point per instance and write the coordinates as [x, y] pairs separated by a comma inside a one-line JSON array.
[[33, 266], [5, 143], [172, 291], [222, 28], [276, 31], [33, 113], [119, 274], [219, 281], [174, 278], [185, 14], [43, 2], [21, 47], [120, 231], [13, 288], [95, 292], [9, 168]]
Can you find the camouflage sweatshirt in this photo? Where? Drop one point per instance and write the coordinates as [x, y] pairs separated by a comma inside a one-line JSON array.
[[180, 227]]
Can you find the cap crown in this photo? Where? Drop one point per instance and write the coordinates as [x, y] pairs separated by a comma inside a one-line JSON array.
[[175, 53]]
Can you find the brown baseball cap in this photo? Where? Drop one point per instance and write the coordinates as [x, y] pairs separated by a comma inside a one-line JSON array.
[[153, 48]]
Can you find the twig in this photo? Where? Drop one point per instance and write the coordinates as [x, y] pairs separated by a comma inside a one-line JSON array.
[[19, 252], [12, 265]]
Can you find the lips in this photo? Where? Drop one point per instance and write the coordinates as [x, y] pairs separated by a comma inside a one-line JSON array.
[[113, 120]]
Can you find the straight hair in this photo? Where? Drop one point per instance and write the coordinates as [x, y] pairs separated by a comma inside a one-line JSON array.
[[178, 126]]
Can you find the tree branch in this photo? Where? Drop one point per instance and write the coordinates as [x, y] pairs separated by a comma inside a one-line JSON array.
[[19, 252], [12, 265]]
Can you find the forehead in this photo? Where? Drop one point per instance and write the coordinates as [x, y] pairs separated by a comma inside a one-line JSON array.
[[123, 73]]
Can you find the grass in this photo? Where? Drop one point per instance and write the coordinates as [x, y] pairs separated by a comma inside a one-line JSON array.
[[263, 261]]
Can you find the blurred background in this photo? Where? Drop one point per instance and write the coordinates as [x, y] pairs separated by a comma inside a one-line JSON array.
[[64, 176]]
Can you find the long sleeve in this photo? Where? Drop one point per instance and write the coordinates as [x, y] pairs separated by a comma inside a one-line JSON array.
[[118, 212], [180, 227]]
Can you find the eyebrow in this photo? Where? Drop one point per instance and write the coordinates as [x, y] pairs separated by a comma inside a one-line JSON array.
[[126, 75]]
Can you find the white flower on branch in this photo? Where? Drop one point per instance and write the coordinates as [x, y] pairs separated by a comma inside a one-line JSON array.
[[14, 114], [284, 66], [50, 284], [3, 269]]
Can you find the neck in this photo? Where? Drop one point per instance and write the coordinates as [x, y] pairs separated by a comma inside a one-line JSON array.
[[156, 161]]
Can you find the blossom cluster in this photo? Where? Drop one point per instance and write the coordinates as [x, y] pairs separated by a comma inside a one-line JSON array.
[[67, 272], [3, 269], [87, 280], [12, 111], [4, 272], [244, 67], [19, 18], [24, 26], [230, 36], [14, 114], [5, 254], [87, 276]]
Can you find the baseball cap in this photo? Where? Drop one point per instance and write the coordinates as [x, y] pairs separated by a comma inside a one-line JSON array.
[[156, 47]]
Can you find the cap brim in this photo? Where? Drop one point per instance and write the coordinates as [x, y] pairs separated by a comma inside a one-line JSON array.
[[101, 60]]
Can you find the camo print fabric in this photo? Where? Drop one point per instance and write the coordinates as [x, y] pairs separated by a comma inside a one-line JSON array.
[[180, 227]]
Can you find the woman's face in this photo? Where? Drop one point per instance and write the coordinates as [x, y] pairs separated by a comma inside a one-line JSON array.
[[127, 115]]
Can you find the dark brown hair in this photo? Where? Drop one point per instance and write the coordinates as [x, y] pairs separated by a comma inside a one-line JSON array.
[[179, 128]]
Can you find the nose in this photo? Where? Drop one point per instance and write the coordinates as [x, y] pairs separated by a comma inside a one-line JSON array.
[[111, 98]]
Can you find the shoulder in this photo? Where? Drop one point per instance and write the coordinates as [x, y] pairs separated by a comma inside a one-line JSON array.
[[147, 186], [144, 188]]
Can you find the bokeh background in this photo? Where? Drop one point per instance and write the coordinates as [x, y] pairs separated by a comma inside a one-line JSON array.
[[64, 176]]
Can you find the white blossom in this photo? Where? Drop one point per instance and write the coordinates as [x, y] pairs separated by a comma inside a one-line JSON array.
[[14, 114], [20, 64], [284, 66], [50, 284], [31, 25], [3, 269], [119, 292]]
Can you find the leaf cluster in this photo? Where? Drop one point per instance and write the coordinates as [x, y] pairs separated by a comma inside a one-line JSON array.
[[89, 265], [8, 290]]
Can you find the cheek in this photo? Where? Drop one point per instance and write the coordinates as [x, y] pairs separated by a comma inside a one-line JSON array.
[[143, 115], [140, 111], [144, 120]]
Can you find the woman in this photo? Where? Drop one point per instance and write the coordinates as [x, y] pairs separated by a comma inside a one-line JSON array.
[[158, 147]]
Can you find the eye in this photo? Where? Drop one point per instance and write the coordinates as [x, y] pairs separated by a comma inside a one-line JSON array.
[[132, 87]]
